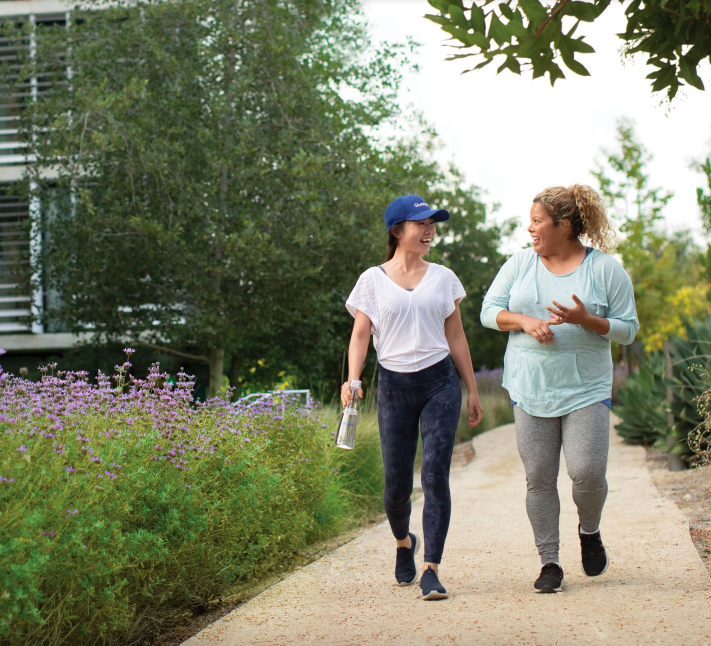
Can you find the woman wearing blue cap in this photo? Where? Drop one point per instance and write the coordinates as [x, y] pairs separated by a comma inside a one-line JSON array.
[[560, 381], [411, 307]]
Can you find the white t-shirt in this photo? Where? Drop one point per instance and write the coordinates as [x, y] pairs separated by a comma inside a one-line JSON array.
[[408, 326]]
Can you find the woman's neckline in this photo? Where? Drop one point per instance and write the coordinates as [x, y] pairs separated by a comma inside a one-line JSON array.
[[409, 290], [588, 251]]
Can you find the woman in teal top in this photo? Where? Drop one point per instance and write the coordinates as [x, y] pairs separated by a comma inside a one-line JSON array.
[[562, 303]]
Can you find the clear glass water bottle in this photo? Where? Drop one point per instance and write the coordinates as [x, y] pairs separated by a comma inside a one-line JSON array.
[[345, 438]]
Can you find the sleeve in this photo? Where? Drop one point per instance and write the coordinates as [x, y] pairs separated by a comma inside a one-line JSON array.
[[621, 308], [456, 292], [497, 297], [363, 298]]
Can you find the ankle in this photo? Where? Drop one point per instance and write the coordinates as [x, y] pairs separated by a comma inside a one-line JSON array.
[[407, 542], [434, 566]]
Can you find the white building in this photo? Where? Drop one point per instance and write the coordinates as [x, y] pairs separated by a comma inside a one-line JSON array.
[[18, 333]]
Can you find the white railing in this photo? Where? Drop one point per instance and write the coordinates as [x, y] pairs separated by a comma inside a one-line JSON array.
[[243, 402]]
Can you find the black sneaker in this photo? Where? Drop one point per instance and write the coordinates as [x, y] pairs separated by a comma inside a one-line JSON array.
[[551, 578], [593, 554], [405, 568], [431, 587]]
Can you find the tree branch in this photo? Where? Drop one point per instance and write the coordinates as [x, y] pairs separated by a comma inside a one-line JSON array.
[[177, 353], [548, 20]]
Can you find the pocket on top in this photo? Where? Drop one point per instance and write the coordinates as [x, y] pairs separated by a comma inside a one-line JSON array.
[[542, 374]]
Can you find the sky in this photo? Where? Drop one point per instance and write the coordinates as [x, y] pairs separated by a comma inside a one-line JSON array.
[[513, 136]]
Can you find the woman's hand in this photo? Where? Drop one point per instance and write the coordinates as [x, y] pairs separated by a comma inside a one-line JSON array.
[[475, 411], [347, 394], [577, 315], [539, 329]]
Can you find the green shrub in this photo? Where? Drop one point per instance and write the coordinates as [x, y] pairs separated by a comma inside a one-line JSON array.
[[700, 437], [644, 408], [359, 470], [691, 360], [642, 404], [123, 506]]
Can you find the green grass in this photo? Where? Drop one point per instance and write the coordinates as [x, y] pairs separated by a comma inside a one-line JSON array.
[[497, 412]]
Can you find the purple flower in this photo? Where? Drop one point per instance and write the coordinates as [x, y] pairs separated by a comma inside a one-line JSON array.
[[70, 469], [23, 448]]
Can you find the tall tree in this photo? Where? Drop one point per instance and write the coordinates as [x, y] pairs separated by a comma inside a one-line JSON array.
[[665, 269], [203, 147], [673, 35], [703, 197], [213, 191]]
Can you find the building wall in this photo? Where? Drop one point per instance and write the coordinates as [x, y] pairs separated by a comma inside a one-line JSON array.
[[16, 337]]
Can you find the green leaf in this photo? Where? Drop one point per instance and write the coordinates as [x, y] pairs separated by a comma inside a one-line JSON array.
[[454, 31], [440, 20], [579, 45], [531, 47], [506, 11], [534, 10], [554, 73], [516, 26], [511, 64], [568, 57], [498, 31], [483, 64], [476, 40], [664, 78], [688, 72], [458, 17], [441, 5], [585, 11], [478, 20]]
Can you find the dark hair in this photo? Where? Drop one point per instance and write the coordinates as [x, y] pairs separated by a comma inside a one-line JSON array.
[[392, 238]]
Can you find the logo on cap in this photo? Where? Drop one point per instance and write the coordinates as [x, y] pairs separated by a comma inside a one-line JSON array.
[[421, 204]]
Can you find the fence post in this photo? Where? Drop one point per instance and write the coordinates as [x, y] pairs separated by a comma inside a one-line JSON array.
[[674, 461]]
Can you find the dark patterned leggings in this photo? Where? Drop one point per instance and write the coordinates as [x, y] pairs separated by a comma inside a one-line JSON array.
[[428, 401]]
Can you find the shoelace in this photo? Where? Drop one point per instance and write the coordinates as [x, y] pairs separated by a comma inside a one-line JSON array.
[[593, 542], [557, 571]]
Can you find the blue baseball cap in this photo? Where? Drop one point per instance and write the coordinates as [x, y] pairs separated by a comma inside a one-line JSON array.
[[412, 207]]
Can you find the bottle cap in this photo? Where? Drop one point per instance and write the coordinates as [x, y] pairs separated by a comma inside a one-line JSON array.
[[355, 383]]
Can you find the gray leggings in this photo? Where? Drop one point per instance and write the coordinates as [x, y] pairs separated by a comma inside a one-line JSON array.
[[584, 435]]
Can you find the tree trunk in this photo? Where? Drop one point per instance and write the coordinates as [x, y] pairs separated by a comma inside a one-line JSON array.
[[216, 363]]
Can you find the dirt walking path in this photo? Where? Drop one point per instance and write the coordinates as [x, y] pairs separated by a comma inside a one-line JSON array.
[[657, 590]]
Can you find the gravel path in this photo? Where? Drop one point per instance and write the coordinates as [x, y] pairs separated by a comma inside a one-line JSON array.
[[656, 591]]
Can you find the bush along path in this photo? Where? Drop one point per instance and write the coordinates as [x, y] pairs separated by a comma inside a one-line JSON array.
[[656, 590], [126, 503]]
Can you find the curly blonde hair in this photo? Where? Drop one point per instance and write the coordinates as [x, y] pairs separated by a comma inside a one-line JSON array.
[[584, 209]]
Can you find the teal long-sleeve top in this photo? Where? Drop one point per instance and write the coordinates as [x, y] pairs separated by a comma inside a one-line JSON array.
[[576, 369]]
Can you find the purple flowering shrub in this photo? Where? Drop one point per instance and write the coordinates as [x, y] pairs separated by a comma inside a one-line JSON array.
[[489, 380], [125, 502]]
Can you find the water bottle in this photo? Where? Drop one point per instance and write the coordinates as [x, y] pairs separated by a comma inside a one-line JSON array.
[[345, 438]]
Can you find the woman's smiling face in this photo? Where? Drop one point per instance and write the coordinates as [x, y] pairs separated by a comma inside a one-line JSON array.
[[417, 236], [547, 238]]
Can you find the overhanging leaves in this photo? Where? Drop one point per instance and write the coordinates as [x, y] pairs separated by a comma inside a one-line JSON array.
[[675, 35]]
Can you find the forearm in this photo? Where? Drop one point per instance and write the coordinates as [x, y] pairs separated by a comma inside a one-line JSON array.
[[596, 324], [508, 321], [357, 351]]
